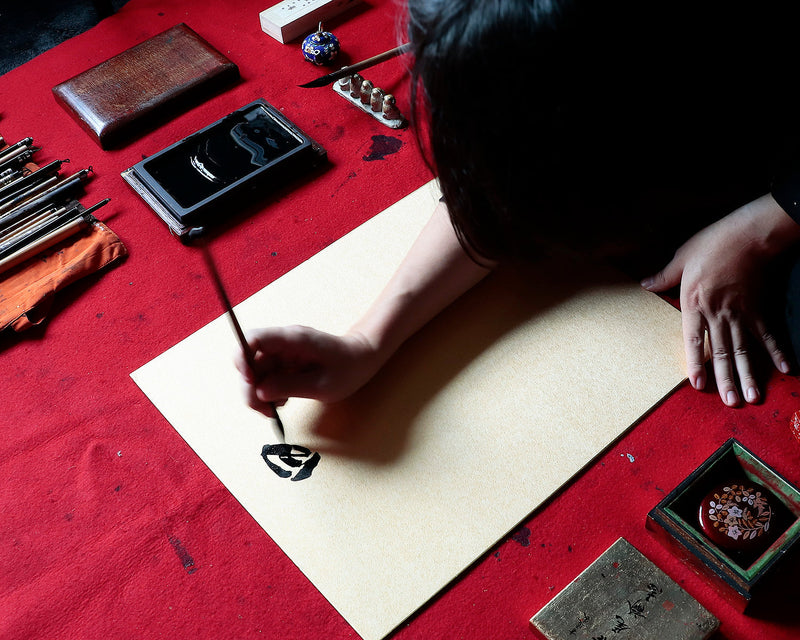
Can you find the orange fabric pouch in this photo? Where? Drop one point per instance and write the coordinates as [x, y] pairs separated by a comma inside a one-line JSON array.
[[27, 290]]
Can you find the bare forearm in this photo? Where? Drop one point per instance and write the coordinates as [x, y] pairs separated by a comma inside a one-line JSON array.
[[304, 362], [434, 273]]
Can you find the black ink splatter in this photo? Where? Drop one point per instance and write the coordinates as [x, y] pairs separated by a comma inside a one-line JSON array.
[[382, 146], [290, 460], [338, 132], [523, 536], [183, 555]]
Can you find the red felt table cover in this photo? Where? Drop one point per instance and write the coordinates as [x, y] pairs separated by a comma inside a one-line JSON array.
[[112, 527]]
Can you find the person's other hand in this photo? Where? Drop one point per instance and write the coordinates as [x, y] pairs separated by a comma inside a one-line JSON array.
[[720, 271], [303, 362]]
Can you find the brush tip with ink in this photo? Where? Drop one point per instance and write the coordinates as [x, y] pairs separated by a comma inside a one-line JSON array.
[[278, 422]]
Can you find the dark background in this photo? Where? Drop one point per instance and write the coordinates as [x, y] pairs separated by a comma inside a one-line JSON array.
[[31, 27]]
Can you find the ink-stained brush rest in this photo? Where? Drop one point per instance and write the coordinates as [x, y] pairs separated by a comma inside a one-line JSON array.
[[115, 99]]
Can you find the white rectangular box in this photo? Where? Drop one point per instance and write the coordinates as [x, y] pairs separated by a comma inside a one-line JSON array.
[[291, 19]]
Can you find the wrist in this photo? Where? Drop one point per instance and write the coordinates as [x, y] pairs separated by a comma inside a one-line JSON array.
[[378, 334], [369, 347], [770, 229]]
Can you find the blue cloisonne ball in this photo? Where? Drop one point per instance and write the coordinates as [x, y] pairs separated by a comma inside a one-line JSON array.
[[321, 47]]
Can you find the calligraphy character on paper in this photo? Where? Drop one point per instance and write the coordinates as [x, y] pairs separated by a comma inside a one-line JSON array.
[[290, 460]]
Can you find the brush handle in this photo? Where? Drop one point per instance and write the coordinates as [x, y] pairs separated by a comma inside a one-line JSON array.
[[358, 66], [42, 243], [237, 328]]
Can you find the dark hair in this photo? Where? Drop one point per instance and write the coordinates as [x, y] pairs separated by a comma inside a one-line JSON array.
[[498, 151], [585, 123]]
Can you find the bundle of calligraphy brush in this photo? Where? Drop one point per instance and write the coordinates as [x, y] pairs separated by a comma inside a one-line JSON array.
[[37, 208]]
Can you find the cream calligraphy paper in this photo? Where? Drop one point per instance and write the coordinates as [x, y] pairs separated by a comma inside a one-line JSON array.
[[477, 420]]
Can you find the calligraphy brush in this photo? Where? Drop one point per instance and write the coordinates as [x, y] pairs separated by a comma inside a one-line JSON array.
[[237, 328], [358, 66]]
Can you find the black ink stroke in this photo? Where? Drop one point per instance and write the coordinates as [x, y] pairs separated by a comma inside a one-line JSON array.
[[290, 460]]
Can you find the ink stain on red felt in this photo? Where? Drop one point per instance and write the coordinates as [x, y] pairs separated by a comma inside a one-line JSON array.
[[338, 133], [382, 146], [522, 537], [183, 555]]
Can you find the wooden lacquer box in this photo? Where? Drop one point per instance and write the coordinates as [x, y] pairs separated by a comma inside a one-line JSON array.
[[735, 520], [114, 100]]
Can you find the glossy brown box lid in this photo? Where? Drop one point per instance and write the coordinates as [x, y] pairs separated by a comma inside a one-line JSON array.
[[114, 99]]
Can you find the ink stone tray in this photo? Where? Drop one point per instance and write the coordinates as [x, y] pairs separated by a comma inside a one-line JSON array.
[[200, 180], [738, 575]]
